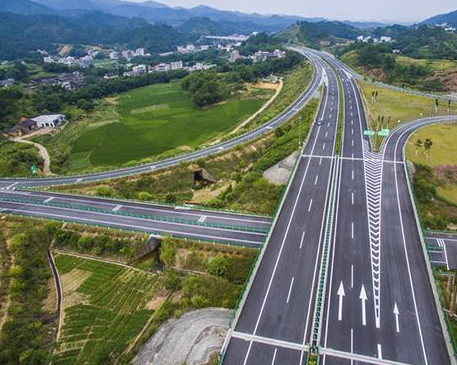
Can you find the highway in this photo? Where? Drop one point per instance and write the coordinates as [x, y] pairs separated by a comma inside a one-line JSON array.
[[379, 305], [279, 305], [293, 109]]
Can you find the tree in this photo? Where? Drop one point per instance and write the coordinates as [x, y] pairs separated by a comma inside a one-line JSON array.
[[418, 144], [167, 251], [427, 145], [218, 266]]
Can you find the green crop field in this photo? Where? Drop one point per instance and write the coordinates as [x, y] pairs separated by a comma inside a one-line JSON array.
[[159, 118], [105, 309]]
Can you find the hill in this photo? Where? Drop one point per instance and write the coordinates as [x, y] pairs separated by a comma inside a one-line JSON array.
[[24, 7], [157, 12], [449, 18], [91, 28], [312, 34]]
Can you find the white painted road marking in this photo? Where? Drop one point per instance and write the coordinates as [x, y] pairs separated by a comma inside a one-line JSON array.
[[274, 357], [12, 185], [352, 230], [49, 199], [352, 276], [352, 199], [363, 298], [315, 180], [379, 351], [340, 294], [117, 208], [310, 205], [290, 289], [302, 239], [202, 219], [396, 313]]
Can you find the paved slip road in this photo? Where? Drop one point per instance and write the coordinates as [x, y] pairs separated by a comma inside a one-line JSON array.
[[442, 249], [279, 305]]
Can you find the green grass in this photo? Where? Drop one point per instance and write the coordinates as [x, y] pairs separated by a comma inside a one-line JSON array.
[[156, 119], [98, 328], [433, 64], [400, 107], [443, 150]]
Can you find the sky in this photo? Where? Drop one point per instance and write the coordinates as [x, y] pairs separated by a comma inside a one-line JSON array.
[[381, 10]]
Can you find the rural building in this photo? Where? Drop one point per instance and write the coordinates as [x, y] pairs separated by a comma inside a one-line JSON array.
[[24, 126], [176, 65], [52, 120]]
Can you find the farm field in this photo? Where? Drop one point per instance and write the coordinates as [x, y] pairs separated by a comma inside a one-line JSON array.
[[156, 119], [106, 306]]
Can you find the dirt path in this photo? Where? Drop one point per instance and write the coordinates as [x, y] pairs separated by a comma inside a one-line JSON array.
[[41, 150], [191, 339], [276, 87]]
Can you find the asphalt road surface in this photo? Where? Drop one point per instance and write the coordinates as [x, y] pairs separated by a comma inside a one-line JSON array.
[[379, 305]]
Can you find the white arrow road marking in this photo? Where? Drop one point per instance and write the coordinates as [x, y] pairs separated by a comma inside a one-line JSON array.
[[396, 313], [363, 298], [340, 294]]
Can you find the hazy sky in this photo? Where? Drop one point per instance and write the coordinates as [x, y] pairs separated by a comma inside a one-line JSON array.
[[387, 10]]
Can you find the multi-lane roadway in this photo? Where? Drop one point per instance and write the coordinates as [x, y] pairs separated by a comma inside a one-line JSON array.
[[378, 304]]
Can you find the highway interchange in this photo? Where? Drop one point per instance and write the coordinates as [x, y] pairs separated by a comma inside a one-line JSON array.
[[342, 272]]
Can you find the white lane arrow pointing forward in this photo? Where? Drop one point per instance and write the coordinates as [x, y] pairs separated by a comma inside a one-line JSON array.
[[340, 294], [396, 313], [363, 297]]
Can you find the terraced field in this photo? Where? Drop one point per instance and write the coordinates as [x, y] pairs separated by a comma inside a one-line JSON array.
[[105, 308]]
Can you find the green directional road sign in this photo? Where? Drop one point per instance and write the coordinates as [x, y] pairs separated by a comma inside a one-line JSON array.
[[33, 169], [383, 132], [369, 133]]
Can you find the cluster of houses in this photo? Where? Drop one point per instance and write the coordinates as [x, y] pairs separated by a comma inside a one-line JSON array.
[[82, 62], [26, 126], [259, 56], [165, 67], [68, 80], [448, 28], [128, 54], [369, 39]]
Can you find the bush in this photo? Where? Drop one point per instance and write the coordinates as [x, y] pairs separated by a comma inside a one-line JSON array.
[[105, 191], [218, 266]]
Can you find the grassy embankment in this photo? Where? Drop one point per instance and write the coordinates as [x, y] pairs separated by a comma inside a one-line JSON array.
[[239, 186], [397, 108], [435, 180], [17, 158], [120, 131], [421, 74], [106, 306]]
